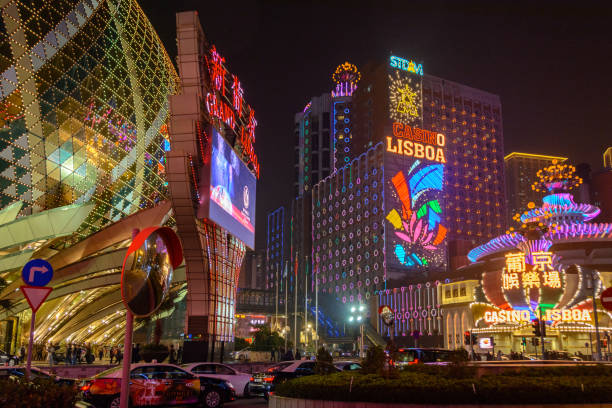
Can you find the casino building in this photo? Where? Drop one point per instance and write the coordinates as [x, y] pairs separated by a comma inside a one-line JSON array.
[[553, 268], [83, 140], [98, 138]]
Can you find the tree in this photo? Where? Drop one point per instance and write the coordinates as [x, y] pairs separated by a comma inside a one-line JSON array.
[[266, 339]]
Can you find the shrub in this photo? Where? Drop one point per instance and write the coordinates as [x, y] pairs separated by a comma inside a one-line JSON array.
[[374, 361], [38, 393], [323, 358], [438, 385]]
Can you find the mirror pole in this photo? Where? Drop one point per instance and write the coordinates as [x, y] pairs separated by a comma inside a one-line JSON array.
[[127, 359]]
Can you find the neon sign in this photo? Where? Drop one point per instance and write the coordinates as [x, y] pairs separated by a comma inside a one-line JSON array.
[[406, 65], [541, 274], [405, 98], [409, 141], [231, 109], [523, 316]]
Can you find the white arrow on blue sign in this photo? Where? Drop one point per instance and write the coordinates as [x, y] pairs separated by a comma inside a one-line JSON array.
[[37, 272]]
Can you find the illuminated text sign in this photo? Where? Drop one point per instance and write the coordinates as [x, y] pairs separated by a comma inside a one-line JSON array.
[[551, 315], [518, 274], [406, 65], [415, 142]]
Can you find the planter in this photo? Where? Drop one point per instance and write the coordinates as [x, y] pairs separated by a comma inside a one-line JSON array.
[[283, 402], [150, 355]]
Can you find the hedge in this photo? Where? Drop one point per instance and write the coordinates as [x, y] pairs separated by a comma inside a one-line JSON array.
[[38, 393], [459, 385]]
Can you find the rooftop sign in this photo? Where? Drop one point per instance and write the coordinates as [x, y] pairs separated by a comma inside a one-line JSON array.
[[406, 65]]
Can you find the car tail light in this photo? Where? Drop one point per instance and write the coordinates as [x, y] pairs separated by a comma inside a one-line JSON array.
[[269, 379], [86, 386], [251, 379], [416, 361]]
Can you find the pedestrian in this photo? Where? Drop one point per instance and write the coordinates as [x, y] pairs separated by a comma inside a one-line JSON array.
[[298, 356], [50, 351], [179, 355], [136, 353], [289, 355], [112, 355], [119, 356], [273, 354], [100, 354], [22, 354], [68, 356], [172, 354]]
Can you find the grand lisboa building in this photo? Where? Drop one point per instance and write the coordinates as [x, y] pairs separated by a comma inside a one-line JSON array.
[[84, 88]]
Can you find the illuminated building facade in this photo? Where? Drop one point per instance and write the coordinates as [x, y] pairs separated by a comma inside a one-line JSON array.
[[521, 170], [275, 247], [549, 268], [470, 119], [84, 131], [313, 149], [213, 134]]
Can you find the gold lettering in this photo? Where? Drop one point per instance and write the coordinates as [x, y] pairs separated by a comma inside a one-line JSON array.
[[391, 148]]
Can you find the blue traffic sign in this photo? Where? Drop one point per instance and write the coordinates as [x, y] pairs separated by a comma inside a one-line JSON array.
[[37, 272]]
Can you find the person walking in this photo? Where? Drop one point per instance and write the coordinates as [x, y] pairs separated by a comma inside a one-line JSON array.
[[50, 351], [100, 354], [119, 356], [112, 355], [68, 356], [172, 354], [298, 356]]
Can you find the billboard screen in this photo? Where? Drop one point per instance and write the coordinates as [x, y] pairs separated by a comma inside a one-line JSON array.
[[414, 163], [232, 192]]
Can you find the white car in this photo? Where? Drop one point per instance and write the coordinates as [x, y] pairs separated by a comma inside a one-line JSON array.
[[239, 380]]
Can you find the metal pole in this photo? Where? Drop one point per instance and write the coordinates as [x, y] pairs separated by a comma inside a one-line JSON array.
[[542, 328], [29, 363], [295, 296], [276, 301], [286, 299], [317, 311], [597, 338], [306, 302], [127, 359]]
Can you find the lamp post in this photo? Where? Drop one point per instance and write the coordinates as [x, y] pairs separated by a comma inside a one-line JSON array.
[[357, 315]]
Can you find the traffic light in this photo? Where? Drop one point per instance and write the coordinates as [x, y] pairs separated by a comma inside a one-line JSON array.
[[543, 328], [467, 337], [535, 341], [474, 339], [524, 341], [536, 327]]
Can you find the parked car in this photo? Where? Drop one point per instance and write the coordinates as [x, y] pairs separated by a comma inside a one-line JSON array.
[[156, 385], [239, 380], [285, 371], [408, 356], [6, 358], [35, 372], [347, 365], [242, 355]]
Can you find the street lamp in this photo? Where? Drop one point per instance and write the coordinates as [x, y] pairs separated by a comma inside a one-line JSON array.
[[358, 313]]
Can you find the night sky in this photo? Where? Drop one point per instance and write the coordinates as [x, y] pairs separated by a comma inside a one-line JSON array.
[[551, 64]]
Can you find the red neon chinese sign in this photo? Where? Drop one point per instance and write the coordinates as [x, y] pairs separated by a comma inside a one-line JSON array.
[[231, 109]]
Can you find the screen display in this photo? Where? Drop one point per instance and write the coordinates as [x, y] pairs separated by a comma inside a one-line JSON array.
[[232, 192], [415, 231]]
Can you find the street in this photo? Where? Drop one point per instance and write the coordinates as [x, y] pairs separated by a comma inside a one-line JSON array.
[[248, 402]]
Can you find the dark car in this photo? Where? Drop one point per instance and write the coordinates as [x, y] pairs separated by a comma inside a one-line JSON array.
[[262, 381], [156, 385], [302, 368], [35, 373], [6, 358], [408, 356]]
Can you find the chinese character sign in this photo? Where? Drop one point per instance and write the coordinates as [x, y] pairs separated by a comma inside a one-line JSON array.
[[518, 274]]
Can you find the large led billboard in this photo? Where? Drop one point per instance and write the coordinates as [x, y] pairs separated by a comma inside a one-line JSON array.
[[231, 195], [415, 234]]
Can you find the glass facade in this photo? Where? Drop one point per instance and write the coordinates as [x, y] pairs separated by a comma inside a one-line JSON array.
[[84, 88]]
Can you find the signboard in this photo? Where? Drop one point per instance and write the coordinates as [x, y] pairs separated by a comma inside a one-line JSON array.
[[606, 299], [414, 179], [35, 296], [387, 315], [485, 343], [231, 192], [37, 272]]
